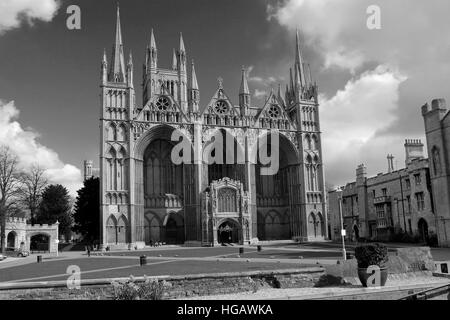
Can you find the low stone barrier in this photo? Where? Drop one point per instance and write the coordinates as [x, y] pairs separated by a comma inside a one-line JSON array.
[[404, 263], [178, 286]]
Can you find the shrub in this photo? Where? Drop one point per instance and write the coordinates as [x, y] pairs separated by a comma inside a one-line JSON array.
[[149, 289], [374, 254]]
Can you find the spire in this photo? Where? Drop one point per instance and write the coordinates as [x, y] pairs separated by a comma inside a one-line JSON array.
[[182, 56], [299, 60], [194, 94], [297, 83], [104, 71], [152, 52], [280, 97], [104, 59], [152, 40], [117, 71], [130, 59], [130, 70], [174, 60], [182, 49], [244, 85], [244, 94], [193, 85], [291, 79]]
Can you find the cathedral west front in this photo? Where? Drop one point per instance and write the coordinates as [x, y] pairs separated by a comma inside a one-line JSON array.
[[264, 180]]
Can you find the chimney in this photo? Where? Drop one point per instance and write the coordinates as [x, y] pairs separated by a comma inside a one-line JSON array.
[[390, 159], [413, 150]]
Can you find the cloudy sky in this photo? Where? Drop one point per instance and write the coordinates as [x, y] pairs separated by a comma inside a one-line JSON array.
[[372, 82]]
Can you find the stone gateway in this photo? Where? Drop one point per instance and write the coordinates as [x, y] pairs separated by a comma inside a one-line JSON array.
[[147, 197]]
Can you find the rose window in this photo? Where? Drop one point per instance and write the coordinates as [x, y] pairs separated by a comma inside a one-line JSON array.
[[274, 112], [162, 103], [221, 107]]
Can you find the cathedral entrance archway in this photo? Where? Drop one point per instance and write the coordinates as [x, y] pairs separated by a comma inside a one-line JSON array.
[[174, 229], [228, 232], [278, 189]]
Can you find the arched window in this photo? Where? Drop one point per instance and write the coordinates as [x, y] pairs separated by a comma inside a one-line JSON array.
[[111, 169], [308, 142], [121, 133], [111, 132]]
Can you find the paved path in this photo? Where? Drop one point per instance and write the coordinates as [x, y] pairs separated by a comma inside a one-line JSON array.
[[329, 292]]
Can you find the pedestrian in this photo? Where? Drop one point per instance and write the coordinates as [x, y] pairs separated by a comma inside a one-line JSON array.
[[89, 250]]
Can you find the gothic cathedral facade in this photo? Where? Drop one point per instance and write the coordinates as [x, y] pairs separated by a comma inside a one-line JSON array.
[[146, 197]]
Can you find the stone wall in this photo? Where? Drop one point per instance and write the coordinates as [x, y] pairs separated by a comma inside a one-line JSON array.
[[178, 286]]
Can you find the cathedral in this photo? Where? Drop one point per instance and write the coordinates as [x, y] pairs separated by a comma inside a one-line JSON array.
[[147, 197]]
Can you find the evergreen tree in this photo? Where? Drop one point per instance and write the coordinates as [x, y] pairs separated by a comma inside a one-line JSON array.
[[55, 205], [86, 214]]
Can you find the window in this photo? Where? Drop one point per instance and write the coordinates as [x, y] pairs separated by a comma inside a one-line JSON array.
[[380, 211], [163, 103], [373, 193], [384, 191], [408, 184], [408, 200], [417, 179], [221, 107], [420, 201], [274, 111]]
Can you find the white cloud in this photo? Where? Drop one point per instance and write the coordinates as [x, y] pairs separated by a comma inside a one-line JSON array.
[[260, 93], [337, 30], [352, 119], [25, 144], [14, 12]]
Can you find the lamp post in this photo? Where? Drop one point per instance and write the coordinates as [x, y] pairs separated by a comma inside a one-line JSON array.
[[57, 237], [344, 253]]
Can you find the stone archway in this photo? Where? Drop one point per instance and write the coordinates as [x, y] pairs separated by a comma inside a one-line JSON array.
[[312, 227], [152, 228], [40, 242], [320, 226], [111, 230], [229, 231], [11, 240], [173, 228], [277, 184]]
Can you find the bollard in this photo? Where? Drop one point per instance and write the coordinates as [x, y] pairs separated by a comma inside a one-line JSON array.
[[39, 259], [259, 248], [241, 250], [143, 260]]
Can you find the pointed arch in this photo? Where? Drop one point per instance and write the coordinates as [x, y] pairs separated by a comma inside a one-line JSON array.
[[152, 228], [122, 132], [312, 224], [111, 133], [122, 229], [320, 223], [111, 230]]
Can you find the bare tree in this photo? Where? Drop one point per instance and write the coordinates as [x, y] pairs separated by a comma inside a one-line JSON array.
[[9, 189], [33, 184]]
